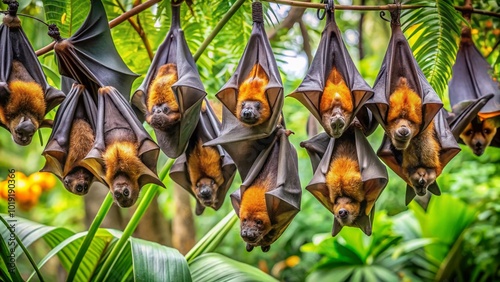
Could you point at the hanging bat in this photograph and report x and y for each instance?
(171, 94)
(404, 102)
(123, 155)
(25, 95)
(348, 177)
(253, 97)
(270, 194)
(471, 80)
(423, 161)
(90, 57)
(73, 135)
(205, 172)
(333, 89)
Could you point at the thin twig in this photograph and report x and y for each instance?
(114, 22)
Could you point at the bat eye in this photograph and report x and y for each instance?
(66, 182)
(126, 192)
(468, 133)
(487, 131)
(212, 183)
(257, 105)
(245, 220)
(243, 104)
(258, 221)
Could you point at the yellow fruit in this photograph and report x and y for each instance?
(496, 31)
(46, 180)
(23, 193)
(35, 190)
(474, 31)
(4, 189)
(292, 261)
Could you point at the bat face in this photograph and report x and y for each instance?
(78, 181)
(22, 128)
(252, 105)
(162, 107)
(125, 192)
(206, 191)
(421, 178)
(478, 135)
(336, 105)
(254, 226)
(405, 115)
(346, 210)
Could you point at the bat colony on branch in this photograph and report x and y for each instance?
(96, 135)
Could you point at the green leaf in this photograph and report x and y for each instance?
(218, 268)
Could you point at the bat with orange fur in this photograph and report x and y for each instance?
(252, 106)
(206, 172)
(25, 95)
(270, 195)
(348, 177)
(478, 135)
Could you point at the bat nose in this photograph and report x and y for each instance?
(248, 235)
(403, 131)
(80, 188)
(247, 113)
(343, 213)
(479, 145)
(421, 181)
(337, 124)
(205, 192)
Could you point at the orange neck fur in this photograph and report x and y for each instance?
(254, 89)
(253, 201)
(336, 92)
(160, 91)
(405, 103)
(203, 162)
(344, 179)
(122, 157)
(25, 97)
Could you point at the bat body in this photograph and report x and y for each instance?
(344, 183)
(78, 179)
(421, 164)
(252, 105)
(23, 109)
(162, 107)
(336, 104)
(404, 116)
(205, 174)
(479, 134)
(255, 221)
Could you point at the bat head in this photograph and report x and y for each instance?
(404, 116)
(78, 181)
(125, 192)
(206, 191)
(254, 226)
(478, 135)
(162, 117)
(252, 105)
(420, 178)
(22, 128)
(346, 210)
(336, 105)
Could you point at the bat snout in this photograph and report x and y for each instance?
(343, 213)
(24, 132)
(123, 196)
(478, 148)
(249, 235)
(81, 188)
(248, 116)
(338, 124)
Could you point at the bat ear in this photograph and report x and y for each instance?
(434, 189)
(337, 227)
(365, 224)
(147, 176)
(410, 194)
(199, 208)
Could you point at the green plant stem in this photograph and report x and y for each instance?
(132, 225)
(101, 214)
(218, 28)
(213, 237)
(28, 255)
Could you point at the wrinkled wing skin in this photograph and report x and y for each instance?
(283, 201)
(78, 103)
(14, 45)
(188, 90)
(90, 57)
(449, 149)
(399, 62)
(332, 52)
(115, 112)
(316, 147)
(258, 50)
(207, 129)
(471, 80)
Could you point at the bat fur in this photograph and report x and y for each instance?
(336, 104)
(23, 111)
(205, 173)
(421, 164)
(344, 183)
(255, 222)
(162, 106)
(478, 135)
(78, 179)
(405, 115)
(252, 105)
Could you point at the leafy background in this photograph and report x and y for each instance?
(457, 238)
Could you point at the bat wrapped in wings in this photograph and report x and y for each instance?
(72, 137)
(171, 94)
(348, 177)
(424, 159)
(90, 57)
(471, 80)
(205, 172)
(25, 95)
(253, 96)
(270, 195)
(333, 90)
(404, 102)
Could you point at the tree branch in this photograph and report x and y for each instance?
(294, 15)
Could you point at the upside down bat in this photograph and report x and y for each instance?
(333, 89)
(25, 95)
(348, 177)
(252, 106)
(270, 194)
(206, 172)
(171, 94)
